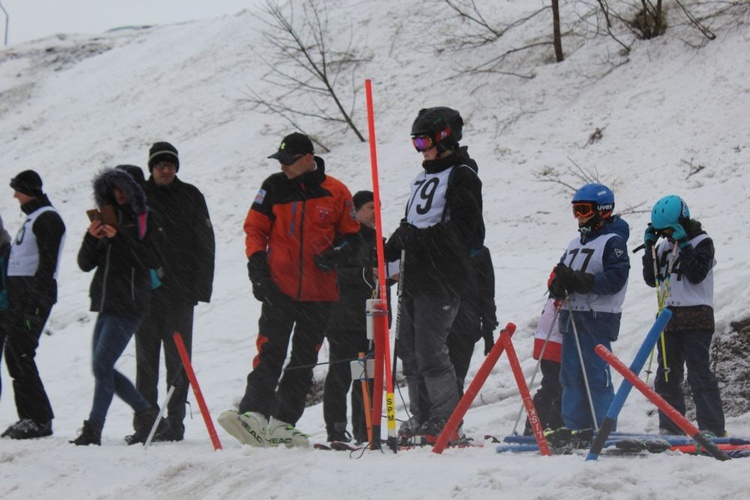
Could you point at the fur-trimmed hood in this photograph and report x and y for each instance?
(110, 178)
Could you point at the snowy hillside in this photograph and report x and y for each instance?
(71, 105)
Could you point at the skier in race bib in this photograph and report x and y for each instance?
(443, 223)
(591, 278)
(32, 291)
(685, 262)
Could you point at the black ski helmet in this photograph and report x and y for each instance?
(443, 125)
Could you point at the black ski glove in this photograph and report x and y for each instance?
(488, 334)
(401, 239)
(330, 260)
(265, 290)
(572, 281)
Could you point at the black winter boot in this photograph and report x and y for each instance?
(90, 434)
(170, 430)
(142, 423)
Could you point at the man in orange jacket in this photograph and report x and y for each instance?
(301, 225)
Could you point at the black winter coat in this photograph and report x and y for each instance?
(27, 292)
(189, 247)
(438, 256)
(122, 283)
(356, 285)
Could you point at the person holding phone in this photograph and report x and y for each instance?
(122, 255)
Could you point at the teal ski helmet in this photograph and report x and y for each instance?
(668, 211)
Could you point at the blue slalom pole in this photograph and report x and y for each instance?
(622, 393)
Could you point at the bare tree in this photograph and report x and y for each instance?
(304, 63)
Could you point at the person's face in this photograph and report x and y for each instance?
(300, 164)
(164, 173)
(430, 154)
(120, 197)
(22, 198)
(366, 214)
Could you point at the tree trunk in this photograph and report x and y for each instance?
(556, 37)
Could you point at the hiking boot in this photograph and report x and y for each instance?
(143, 421)
(339, 437)
(339, 433)
(410, 428)
(169, 430)
(28, 429)
(90, 434)
(283, 433)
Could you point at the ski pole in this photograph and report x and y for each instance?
(162, 411)
(583, 366)
(610, 421)
(683, 423)
(536, 368)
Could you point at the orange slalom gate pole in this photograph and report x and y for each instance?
(536, 425)
(382, 345)
(197, 390)
(676, 417)
(463, 406)
(366, 397)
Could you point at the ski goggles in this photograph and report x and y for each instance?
(584, 209)
(422, 142)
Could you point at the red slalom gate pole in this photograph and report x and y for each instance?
(463, 406)
(196, 390)
(536, 425)
(382, 344)
(676, 417)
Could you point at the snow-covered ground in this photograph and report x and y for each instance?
(72, 105)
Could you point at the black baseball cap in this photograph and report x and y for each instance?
(292, 145)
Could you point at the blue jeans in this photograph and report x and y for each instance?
(112, 333)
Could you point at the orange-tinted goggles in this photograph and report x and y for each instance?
(584, 209)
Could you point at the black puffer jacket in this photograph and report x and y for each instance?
(121, 283)
(189, 246)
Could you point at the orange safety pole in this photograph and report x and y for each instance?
(197, 390)
(463, 406)
(536, 425)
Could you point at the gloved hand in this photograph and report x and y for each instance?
(32, 319)
(265, 290)
(572, 281)
(488, 334)
(679, 235)
(328, 261)
(401, 239)
(650, 237)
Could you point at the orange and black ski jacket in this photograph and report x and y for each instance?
(292, 220)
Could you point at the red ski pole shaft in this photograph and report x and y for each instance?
(676, 417)
(536, 425)
(197, 390)
(463, 406)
